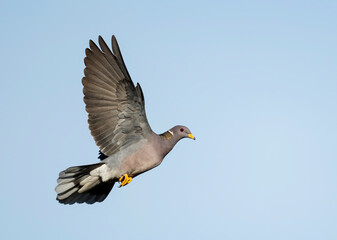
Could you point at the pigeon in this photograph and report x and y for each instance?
(117, 121)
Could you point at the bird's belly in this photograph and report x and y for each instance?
(140, 162)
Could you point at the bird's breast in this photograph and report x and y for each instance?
(141, 161)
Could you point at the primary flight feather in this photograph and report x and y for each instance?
(118, 123)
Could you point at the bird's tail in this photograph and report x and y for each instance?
(82, 184)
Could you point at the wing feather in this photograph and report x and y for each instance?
(118, 54)
(116, 111)
(100, 59)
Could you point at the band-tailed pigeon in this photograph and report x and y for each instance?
(117, 121)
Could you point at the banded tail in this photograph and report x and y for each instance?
(82, 184)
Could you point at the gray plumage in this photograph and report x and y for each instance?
(118, 124)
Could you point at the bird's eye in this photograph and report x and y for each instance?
(181, 129)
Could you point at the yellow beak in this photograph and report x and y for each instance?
(191, 136)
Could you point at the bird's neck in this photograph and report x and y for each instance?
(166, 135)
(168, 140)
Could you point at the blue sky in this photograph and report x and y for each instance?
(255, 81)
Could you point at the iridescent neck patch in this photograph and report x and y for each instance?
(167, 135)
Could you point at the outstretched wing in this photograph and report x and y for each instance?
(115, 106)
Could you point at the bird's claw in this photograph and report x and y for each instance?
(124, 180)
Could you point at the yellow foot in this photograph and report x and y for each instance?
(124, 180)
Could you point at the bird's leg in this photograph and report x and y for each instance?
(124, 180)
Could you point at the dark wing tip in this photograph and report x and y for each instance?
(101, 41)
(93, 46)
(115, 46)
(113, 38)
(87, 51)
(140, 92)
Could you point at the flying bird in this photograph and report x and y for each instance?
(117, 121)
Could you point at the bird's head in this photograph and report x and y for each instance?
(182, 132)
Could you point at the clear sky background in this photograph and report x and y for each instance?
(255, 81)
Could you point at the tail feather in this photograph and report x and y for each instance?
(80, 184)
